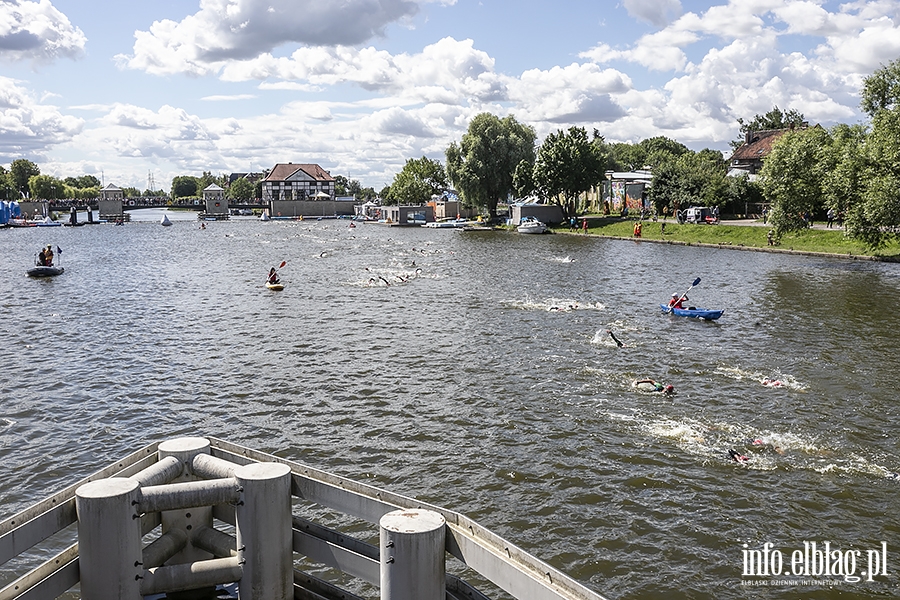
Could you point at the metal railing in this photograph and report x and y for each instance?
(176, 491)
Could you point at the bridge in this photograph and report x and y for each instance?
(148, 202)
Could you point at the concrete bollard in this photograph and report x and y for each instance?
(412, 555)
(109, 539)
(264, 536)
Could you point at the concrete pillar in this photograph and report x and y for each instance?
(109, 539)
(264, 536)
(185, 449)
(412, 555)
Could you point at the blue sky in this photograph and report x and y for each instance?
(126, 90)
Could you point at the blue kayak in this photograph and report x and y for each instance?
(695, 313)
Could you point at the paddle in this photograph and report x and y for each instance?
(696, 282)
(284, 262)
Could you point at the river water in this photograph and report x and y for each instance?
(482, 379)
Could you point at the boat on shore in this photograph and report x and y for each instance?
(531, 225)
(707, 314)
(40, 271)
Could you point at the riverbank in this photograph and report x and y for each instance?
(740, 235)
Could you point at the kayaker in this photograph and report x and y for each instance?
(677, 301)
(273, 276)
(648, 385)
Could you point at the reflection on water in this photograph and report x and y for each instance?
(474, 370)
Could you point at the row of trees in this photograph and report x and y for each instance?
(852, 170)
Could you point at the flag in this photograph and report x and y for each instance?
(58, 250)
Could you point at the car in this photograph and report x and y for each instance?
(697, 214)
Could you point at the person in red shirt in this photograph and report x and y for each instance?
(677, 301)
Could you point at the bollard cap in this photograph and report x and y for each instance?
(412, 520)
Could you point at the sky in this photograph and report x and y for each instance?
(140, 92)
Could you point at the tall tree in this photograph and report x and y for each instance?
(45, 187)
(881, 89)
(792, 176)
(184, 185)
(21, 170)
(419, 179)
(7, 189)
(774, 119)
(482, 166)
(568, 164)
(241, 190)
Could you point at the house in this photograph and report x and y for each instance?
(290, 181)
(749, 157)
(215, 202)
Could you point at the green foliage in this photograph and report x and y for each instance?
(689, 178)
(881, 89)
(419, 179)
(21, 171)
(45, 187)
(660, 149)
(85, 181)
(241, 190)
(131, 192)
(340, 185)
(568, 164)
(184, 185)
(774, 119)
(626, 157)
(482, 166)
(793, 175)
(7, 189)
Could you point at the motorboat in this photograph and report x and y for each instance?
(48, 222)
(531, 225)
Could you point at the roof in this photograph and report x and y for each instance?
(283, 171)
(213, 188)
(758, 144)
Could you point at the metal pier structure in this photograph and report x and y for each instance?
(195, 513)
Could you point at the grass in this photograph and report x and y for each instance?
(812, 240)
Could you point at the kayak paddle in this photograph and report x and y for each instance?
(696, 282)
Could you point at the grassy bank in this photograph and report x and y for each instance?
(811, 240)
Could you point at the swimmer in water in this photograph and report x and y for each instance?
(772, 382)
(648, 385)
(736, 457)
(614, 338)
(758, 443)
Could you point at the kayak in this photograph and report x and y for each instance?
(45, 271)
(275, 286)
(706, 314)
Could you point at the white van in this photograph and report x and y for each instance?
(698, 214)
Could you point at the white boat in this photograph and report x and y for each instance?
(531, 225)
(448, 224)
(165, 222)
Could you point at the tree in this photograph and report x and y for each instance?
(881, 89)
(419, 179)
(85, 181)
(7, 189)
(340, 185)
(626, 157)
(21, 171)
(774, 119)
(131, 192)
(482, 166)
(793, 174)
(568, 164)
(241, 190)
(690, 178)
(658, 149)
(45, 187)
(184, 185)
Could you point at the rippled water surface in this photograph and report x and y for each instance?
(482, 379)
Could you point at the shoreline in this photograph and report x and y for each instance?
(850, 256)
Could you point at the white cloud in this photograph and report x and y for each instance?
(228, 97)
(227, 30)
(37, 31)
(29, 128)
(576, 94)
(655, 12)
